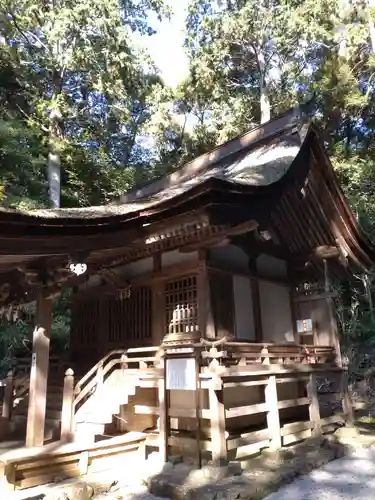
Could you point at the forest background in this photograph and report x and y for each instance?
(84, 107)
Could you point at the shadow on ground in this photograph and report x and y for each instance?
(353, 477)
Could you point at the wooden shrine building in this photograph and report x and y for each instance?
(202, 308)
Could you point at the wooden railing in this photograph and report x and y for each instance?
(228, 357)
(229, 353)
(232, 353)
(275, 433)
(136, 358)
(259, 369)
(18, 381)
(134, 361)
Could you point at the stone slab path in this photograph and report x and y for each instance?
(348, 478)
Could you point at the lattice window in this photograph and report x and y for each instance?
(130, 318)
(85, 321)
(181, 306)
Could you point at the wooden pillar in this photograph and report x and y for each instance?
(346, 403)
(39, 374)
(314, 410)
(158, 304)
(273, 418)
(205, 316)
(67, 407)
(8, 397)
(217, 413)
(256, 303)
(334, 331)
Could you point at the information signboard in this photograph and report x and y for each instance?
(304, 325)
(180, 374)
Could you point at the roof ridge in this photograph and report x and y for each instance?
(188, 170)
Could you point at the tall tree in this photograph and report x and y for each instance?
(88, 81)
(256, 53)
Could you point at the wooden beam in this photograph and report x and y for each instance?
(39, 374)
(224, 237)
(209, 243)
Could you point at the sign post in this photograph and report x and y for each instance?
(181, 373)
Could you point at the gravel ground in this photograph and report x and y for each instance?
(55, 492)
(127, 485)
(348, 478)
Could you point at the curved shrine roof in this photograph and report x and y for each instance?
(256, 162)
(258, 158)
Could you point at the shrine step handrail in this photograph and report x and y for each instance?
(104, 367)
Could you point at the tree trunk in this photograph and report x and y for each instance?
(54, 173)
(265, 105)
(55, 136)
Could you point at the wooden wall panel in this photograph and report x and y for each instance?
(101, 324)
(130, 319)
(85, 327)
(221, 288)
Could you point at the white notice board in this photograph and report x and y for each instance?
(180, 374)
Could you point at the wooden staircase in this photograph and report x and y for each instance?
(97, 397)
(94, 400)
(97, 412)
(108, 386)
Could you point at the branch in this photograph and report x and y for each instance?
(32, 119)
(23, 34)
(268, 60)
(19, 29)
(38, 40)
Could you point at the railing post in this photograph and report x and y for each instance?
(163, 420)
(67, 407)
(265, 360)
(8, 397)
(314, 411)
(217, 413)
(124, 360)
(100, 376)
(273, 418)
